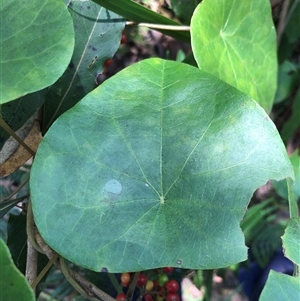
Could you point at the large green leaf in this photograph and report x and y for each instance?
(154, 168)
(281, 287)
(237, 43)
(97, 38)
(13, 285)
(36, 44)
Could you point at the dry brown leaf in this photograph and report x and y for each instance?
(19, 156)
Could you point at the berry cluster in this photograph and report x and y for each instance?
(154, 285)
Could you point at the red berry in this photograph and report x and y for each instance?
(155, 282)
(172, 286)
(172, 297)
(123, 38)
(108, 63)
(121, 297)
(168, 270)
(125, 278)
(162, 279)
(142, 280)
(161, 294)
(148, 297)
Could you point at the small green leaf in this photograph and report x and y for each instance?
(291, 240)
(13, 285)
(291, 125)
(280, 287)
(154, 168)
(36, 45)
(288, 80)
(237, 43)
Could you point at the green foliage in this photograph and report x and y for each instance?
(13, 285)
(184, 9)
(261, 234)
(97, 38)
(36, 48)
(127, 153)
(226, 46)
(291, 240)
(280, 287)
(157, 165)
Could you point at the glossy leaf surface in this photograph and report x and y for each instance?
(154, 168)
(235, 43)
(36, 44)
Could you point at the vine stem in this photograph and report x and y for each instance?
(30, 228)
(282, 21)
(11, 132)
(115, 283)
(15, 191)
(31, 264)
(44, 271)
(161, 26)
(84, 287)
(132, 286)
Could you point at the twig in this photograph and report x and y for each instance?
(161, 26)
(115, 283)
(44, 271)
(30, 228)
(15, 191)
(132, 286)
(31, 263)
(84, 287)
(8, 129)
(282, 21)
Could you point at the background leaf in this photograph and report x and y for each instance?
(291, 241)
(159, 159)
(36, 45)
(235, 43)
(281, 186)
(97, 38)
(135, 12)
(16, 113)
(184, 9)
(13, 285)
(280, 287)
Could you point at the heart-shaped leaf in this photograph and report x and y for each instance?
(36, 44)
(154, 168)
(237, 43)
